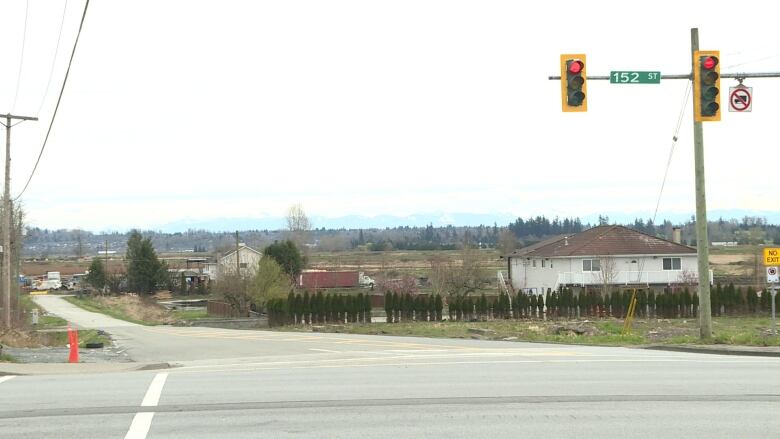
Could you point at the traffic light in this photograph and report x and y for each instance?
(573, 83)
(706, 85)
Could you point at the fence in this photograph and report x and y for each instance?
(223, 309)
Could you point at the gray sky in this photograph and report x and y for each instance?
(202, 109)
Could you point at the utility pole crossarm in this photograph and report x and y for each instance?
(10, 117)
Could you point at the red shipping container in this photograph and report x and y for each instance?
(328, 279)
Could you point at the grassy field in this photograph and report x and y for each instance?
(726, 330)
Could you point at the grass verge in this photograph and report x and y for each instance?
(128, 308)
(44, 321)
(745, 331)
(180, 315)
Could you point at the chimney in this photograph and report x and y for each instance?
(677, 235)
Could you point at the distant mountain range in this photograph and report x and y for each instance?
(439, 219)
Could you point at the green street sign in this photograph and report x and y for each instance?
(635, 77)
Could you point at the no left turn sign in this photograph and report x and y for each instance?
(741, 99)
(771, 275)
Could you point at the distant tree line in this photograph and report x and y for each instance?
(73, 242)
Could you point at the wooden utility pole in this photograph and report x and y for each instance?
(238, 258)
(7, 206)
(702, 240)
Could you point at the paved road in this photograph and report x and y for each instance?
(334, 385)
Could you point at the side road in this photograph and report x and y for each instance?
(79, 317)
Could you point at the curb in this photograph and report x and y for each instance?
(715, 350)
(29, 369)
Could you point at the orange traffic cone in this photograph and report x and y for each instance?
(73, 340)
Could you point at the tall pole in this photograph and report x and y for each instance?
(702, 241)
(238, 259)
(6, 284)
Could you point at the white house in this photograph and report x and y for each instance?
(613, 255)
(247, 261)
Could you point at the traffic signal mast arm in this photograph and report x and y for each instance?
(690, 76)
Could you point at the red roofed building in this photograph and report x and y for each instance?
(613, 255)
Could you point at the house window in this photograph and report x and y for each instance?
(242, 264)
(543, 263)
(671, 263)
(591, 265)
(533, 262)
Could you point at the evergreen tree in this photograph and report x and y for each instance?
(396, 308)
(483, 307)
(641, 302)
(290, 308)
(360, 306)
(326, 309)
(469, 308)
(539, 306)
(97, 274)
(424, 306)
(651, 303)
(389, 307)
(320, 307)
(367, 308)
(306, 307)
(144, 270)
(716, 296)
(548, 303)
(752, 299)
(765, 302)
(601, 304)
(287, 255)
(439, 305)
(298, 308)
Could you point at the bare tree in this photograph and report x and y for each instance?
(298, 224)
(458, 278)
(79, 244)
(507, 241)
(607, 273)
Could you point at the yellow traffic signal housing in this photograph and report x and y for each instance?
(706, 85)
(574, 89)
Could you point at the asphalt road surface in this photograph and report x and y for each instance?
(294, 385)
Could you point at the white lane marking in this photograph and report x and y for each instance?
(324, 350)
(140, 426)
(6, 378)
(152, 396)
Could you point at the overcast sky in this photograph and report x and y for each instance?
(203, 109)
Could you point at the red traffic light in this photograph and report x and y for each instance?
(709, 62)
(576, 66)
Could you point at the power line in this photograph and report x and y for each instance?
(674, 142)
(59, 99)
(21, 56)
(54, 60)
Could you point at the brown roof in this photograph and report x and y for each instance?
(602, 241)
